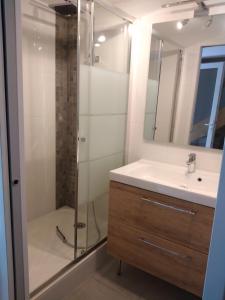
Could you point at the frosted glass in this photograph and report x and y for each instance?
(84, 134)
(83, 183)
(109, 92)
(149, 126)
(152, 96)
(84, 89)
(104, 80)
(107, 135)
(99, 174)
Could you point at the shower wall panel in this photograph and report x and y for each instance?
(39, 109)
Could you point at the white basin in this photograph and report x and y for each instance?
(199, 187)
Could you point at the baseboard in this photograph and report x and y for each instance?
(65, 284)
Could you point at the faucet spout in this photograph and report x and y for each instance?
(191, 163)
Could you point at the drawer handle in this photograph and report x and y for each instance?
(170, 252)
(185, 211)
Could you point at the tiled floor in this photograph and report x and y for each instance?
(132, 285)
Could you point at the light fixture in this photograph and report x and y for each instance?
(97, 45)
(101, 39)
(181, 24)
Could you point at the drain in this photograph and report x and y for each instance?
(81, 225)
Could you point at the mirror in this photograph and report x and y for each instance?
(185, 102)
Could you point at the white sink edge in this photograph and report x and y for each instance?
(181, 193)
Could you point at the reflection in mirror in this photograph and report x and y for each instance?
(208, 125)
(185, 101)
(153, 86)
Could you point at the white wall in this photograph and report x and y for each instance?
(39, 110)
(136, 146)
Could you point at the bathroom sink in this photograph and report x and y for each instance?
(173, 180)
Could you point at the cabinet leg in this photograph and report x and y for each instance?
(119, 272)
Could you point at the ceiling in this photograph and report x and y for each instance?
(194, 32)
(138, 8)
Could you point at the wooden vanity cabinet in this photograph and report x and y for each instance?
(164, 236)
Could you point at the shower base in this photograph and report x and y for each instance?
(47, 254)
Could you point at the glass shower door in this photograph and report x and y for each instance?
(103, 115)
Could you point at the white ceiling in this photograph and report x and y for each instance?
(138, 8)
(194, 32)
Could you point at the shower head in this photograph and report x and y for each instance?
(63, 7)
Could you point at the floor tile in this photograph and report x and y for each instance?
(95, 290)
(133, 284)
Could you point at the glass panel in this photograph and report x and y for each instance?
(49, 77)
(84, 90)
(153, 87)
(107, 113)
(111, 41)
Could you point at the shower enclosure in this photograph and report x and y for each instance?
(75, 88)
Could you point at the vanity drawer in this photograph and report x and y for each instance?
(174, 263)
(180, 221)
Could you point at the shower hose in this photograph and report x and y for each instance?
(64, 239)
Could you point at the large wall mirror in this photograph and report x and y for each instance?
(185, 101)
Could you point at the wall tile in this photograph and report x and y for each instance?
(66, 110)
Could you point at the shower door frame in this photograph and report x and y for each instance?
(6, 247)
(12, 40)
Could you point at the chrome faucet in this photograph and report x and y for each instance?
(191, 163)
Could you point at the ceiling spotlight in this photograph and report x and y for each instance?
(101, 39)
(181, 24)
(97, 45)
